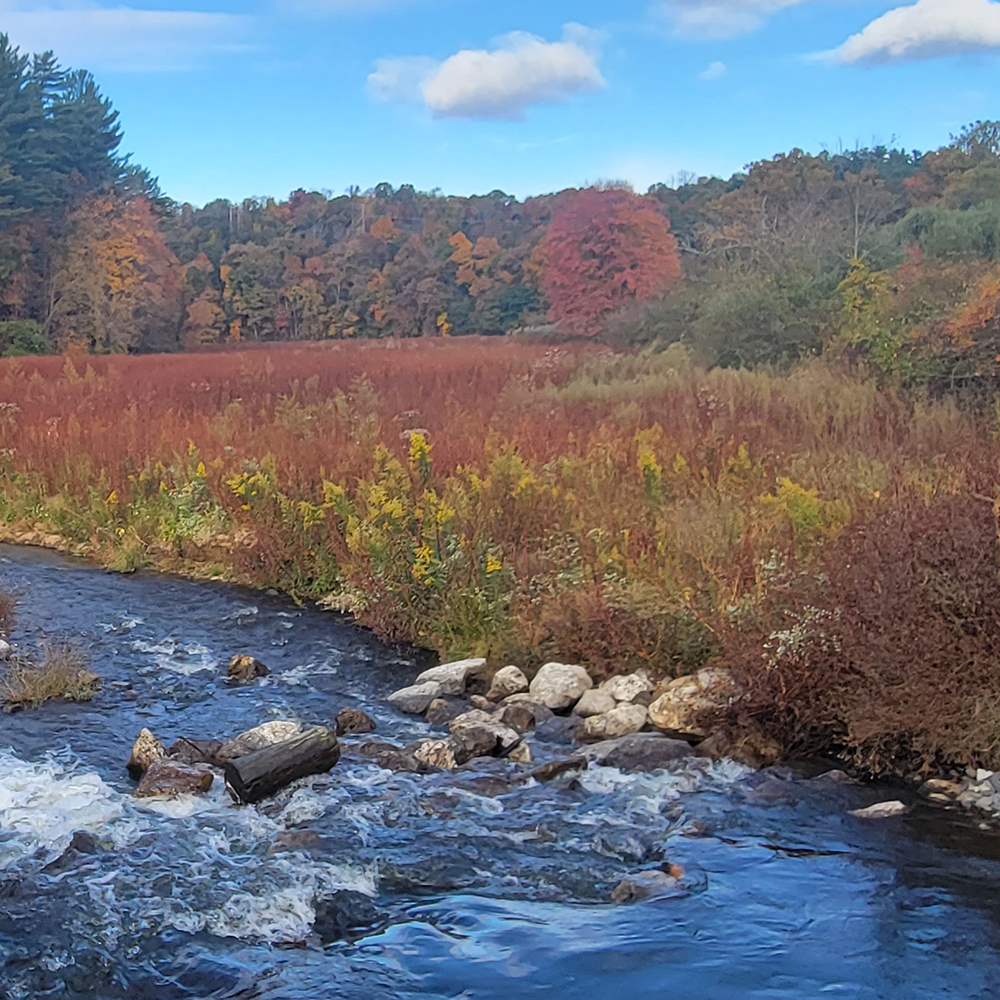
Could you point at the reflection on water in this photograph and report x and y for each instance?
(365, 883)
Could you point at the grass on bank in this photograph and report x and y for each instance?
(60, 672)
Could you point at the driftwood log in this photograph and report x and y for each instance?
(264, 772)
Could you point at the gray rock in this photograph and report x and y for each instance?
(442, 710)
(390, 757)
(507, 681)
(519, 717)
(264, 735)
(560, 685)
(560, 730)
(623, 720)
(638, 752)
(416, 699)
(629, 687)
(594, 702)
(480, 735)
(196, 751)
(451, 677)
(5, 649)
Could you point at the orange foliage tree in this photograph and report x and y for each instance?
(604, 249)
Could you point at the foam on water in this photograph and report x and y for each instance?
(43, 805)
(185, 658)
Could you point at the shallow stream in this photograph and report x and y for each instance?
(364, 883)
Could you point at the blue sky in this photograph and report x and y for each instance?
(227, 99)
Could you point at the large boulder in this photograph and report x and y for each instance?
(639, 752)
(507, 681)
(264, 735)
(452, 677)
(172, 777)
(594, 702)
(146, 750)
(245, 668)
(627, 688)
(560, 685)
(623, 720)
(694, 705)
(415, 699)
(478, 734)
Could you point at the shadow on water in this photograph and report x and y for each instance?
(366, 883)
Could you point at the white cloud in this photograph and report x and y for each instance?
(122, 38)
(926, 30)
(717, 18)
(519, 71)
(713, 71)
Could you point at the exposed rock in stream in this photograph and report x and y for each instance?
(146, 750)
(172, 777)
(245, 668)
(351, 721)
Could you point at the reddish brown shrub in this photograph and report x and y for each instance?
(894, 653)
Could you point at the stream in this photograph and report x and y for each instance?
(364, 883)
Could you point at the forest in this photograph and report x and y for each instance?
(879, 254)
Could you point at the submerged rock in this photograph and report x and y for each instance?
(644, 885)
(507, 681)
(196, 751)
(623, 720)
(172, 777)
(694, 704)
(264, 735)
(145, 751)
(390, 757)
(594, 702)
(638, 752)
(560, 685)
(415, 699)
(245, 668)
(346, 915)
(452, 677)
(881, 810)
(353, 720)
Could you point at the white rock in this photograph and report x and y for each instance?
(452, 677)
(691, 704)
(627, 688)
(621, 721)
(414, 699)
(559, 685)
(264, 735)
(881, 810)
(507, 681)
(4, 649)
(594, 702)
(983, 775)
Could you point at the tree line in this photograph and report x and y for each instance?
(881, 252)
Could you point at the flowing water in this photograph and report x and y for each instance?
(364, 883)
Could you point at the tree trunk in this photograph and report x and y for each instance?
(259, 775)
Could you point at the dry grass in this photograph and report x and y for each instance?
(60, 672)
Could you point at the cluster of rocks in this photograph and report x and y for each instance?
(490, 716)
(255, 764)
(977, 789)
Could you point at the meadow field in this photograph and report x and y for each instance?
(833, 540)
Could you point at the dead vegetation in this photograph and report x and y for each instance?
(59, 672)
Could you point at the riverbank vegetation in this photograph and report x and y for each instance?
(832, 537)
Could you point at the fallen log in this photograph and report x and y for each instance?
(264, 772)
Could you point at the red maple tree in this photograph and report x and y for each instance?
(604, 249)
